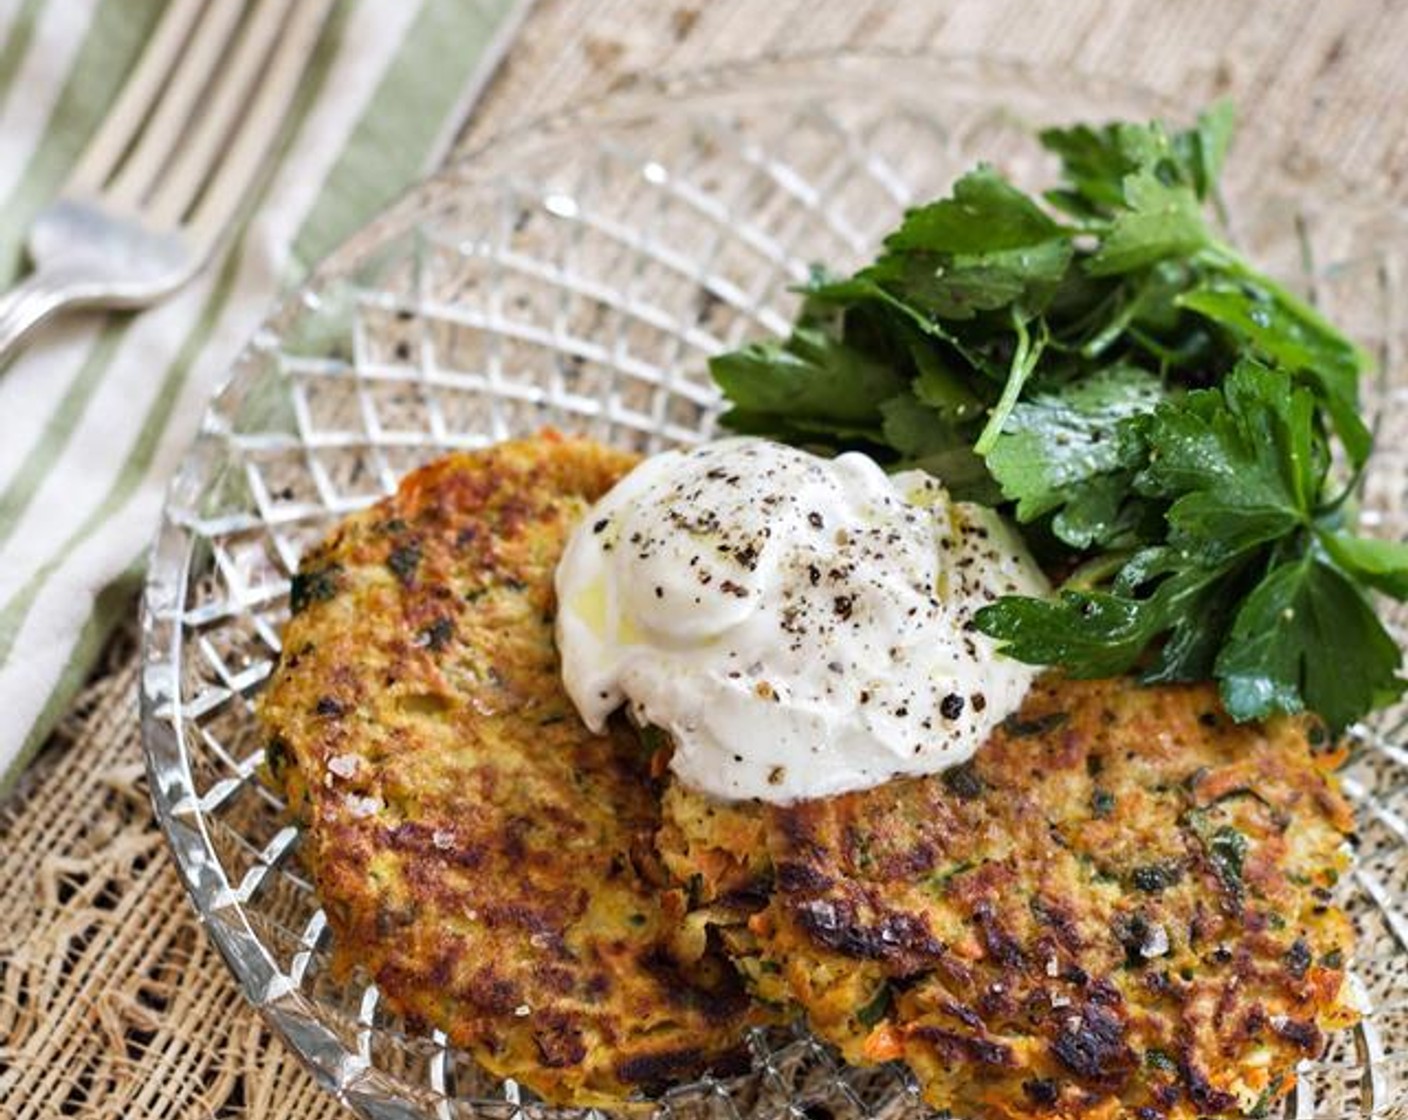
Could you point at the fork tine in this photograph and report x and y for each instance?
(134, 103)
(200, 147)
(164, 129)
(261, 122)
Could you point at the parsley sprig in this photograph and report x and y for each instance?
(1160, 417)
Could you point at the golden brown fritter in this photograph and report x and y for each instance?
(1119, 907)
(481, 854)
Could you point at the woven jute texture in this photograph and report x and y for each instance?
(112, 1003)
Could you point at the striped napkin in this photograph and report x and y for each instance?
(95, 414)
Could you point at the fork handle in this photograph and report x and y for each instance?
(28, 304)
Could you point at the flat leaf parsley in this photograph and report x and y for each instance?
(1161, 419)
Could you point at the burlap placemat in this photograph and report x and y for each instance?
(112, 1003)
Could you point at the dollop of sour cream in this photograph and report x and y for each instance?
(800, 626)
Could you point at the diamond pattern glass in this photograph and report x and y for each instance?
(579, 274)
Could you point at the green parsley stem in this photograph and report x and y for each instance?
(1024, 359)
(1233, 262)
(1096, 571)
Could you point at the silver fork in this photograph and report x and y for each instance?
(155, 190)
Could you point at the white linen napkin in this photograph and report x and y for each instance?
(96, 412)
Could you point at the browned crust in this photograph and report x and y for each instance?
(478, 852)
(1122, 903)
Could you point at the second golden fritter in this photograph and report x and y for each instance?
(485, 858)
(1119, 907)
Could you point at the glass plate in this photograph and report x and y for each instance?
(578, 273)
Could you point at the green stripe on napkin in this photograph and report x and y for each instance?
(111, 46)
(115, 402)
